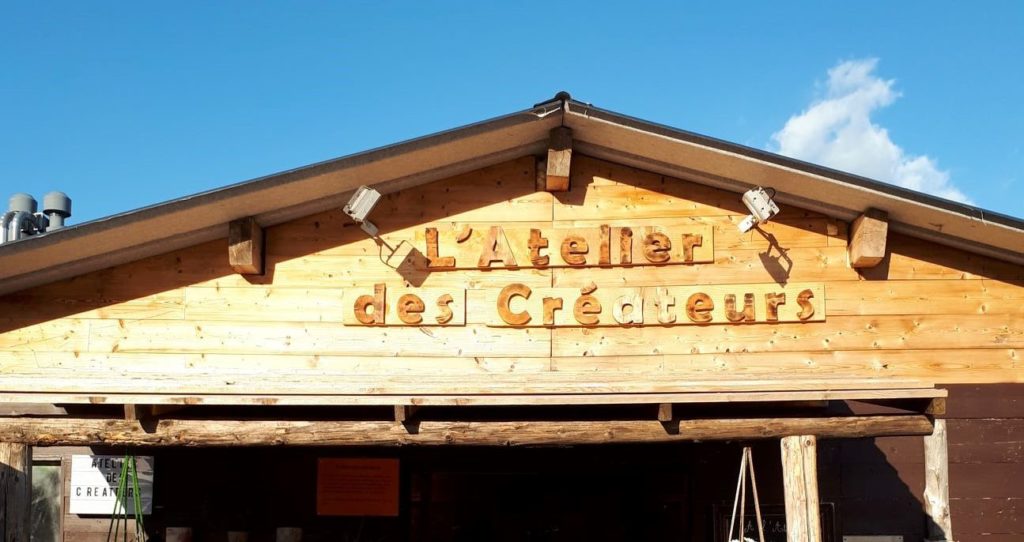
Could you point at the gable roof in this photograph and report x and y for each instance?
(599, 133)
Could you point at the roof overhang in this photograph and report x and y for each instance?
(603, 134)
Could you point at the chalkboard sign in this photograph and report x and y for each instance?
(773, 518)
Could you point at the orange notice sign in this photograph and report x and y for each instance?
(357, 487)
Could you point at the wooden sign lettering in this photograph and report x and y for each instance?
(463, 247)
(404, 307)
(519, 305)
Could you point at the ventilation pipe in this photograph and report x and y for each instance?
(21, 219)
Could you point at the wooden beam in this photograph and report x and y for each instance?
(15, 491)
(867, 238)
(245, 246)
(89, 432)
(800, 484)
(559, 160)
(936, 484)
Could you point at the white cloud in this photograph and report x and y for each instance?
(837, 131)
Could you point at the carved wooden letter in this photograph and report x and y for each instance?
(446, 312)
(536, 243)
(699, 307)
(433, 260)
(806, 307)
(746, 315)
(574, 250)
(496, 249)
(605, 254)
(410, 309)
(636, 312)
(505, 299)
(587, 310)
(551, 304)
(625, 246)
(656, 247)
(690, 241)
(464, 234)
(377, 301)
(772, 302)
(665, 303)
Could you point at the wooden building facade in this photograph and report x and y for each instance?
(561, 334)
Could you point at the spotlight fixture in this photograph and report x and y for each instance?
(360, 206)
(762, 207)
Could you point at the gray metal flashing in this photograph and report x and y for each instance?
(284, 196)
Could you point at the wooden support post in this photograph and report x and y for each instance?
(15, 491)
(867, 238)
(800, 481)
(245, 246)
(559, 160)
(936, 484)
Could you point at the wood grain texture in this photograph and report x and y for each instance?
(559, 160)
(245, 246)
(53, 432)
(162, 404)
(868, 235)
(800, 482)
(936, 485)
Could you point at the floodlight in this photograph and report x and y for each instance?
(360, 206)
(762, 207)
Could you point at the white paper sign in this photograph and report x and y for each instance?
(94, 481)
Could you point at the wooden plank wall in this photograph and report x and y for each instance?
(184, 322)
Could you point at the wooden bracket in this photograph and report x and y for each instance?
(867, 238)
(405, 413)
(665, 412)
(245, 246)
(559, 160)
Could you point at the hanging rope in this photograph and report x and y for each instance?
(129, 475)
(740, 500)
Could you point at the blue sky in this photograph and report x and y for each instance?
(124, 105)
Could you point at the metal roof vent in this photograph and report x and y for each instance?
(21, 219)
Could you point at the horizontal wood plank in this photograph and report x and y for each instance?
(468, 400)
(839, 333)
